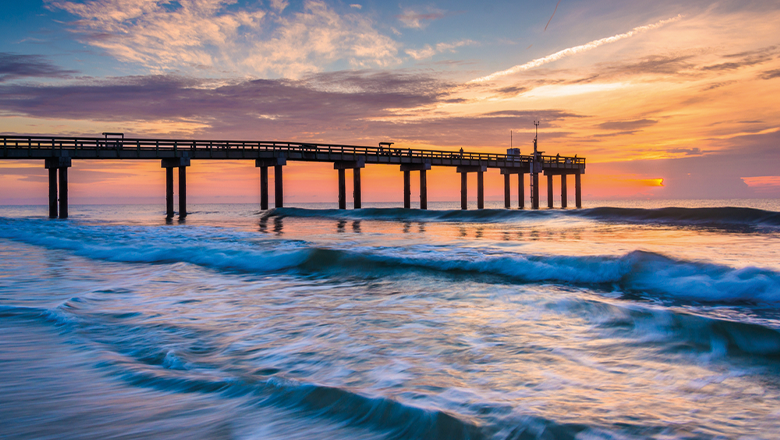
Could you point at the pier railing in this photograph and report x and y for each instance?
(125, 144)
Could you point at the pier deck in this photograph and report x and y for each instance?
(59, 152)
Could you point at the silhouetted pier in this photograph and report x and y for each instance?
(58, 154)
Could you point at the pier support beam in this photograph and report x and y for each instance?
(578, 190)
(407, 190)
(342, 189)
(64, 192)
(507, 201)
(182, 191)
(521, 190)
(464, 191)
(564, 198)
(423, 189)
(407, 168)
(549, 191)
(278, 187)
(263, 164)
(55, 165)
(52, 192)
(508, 172)
(356, 192)
(464, 170)
(480, 190)
(355, 166)
(535, 190)
(169, 192)
(169, 164)
(264, 188)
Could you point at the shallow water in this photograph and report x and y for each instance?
(628, 320)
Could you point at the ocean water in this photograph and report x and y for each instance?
(624, 320)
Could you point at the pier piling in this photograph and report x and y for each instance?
(53, 193)
(278, 187)
(63, 192)
(521, 190)
(564, 197)
(169, 192)
(342, 189)
(181, 162)
(480, 190)
(264, 188)
(356, 192)
(549, 191)
(507, 201)
(578, 190)
(464, 191)
(423, 189)
(407, 190)
(58, 175)
(182, 192)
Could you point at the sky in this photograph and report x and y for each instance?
(665, 99)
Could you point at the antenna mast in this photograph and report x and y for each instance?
(536, 138)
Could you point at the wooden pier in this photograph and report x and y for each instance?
(58, 153)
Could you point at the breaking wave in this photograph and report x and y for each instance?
(637, 272)
(724, 217)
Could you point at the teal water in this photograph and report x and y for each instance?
(623, 320)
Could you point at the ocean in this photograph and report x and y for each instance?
(623, 320)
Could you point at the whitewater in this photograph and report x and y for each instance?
(624, 320)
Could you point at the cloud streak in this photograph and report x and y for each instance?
(15, 66)
(574, 50)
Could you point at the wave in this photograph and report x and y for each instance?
(637, 272)
(696, 216)
(716, 217)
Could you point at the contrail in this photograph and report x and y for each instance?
(573, 50)
(548, 21)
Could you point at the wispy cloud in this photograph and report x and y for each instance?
(574, 50)
(414, 19)
(428, 51)
(771, 74)
(218, 36)
(15, 66)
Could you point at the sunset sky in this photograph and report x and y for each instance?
(665, 99)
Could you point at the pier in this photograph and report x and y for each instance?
(58, 154)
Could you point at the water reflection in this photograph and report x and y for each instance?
(340, 226)
(356, 226)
